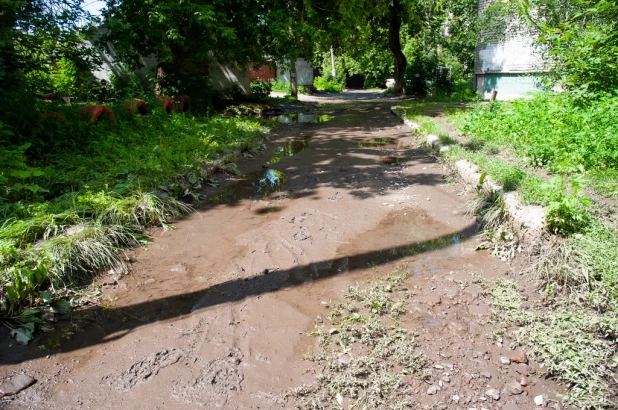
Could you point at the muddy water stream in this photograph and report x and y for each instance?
(215, 313)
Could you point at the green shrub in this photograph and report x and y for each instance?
(321, 83)
(280, 86)
(565, 211)
(260, 89)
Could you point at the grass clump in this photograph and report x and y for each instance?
(363, 354)
(323, 84)
(284, 87)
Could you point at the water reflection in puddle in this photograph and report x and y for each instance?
(299, 117)
(375, 142)
(252, 185)
(289, 149)
(261, 183)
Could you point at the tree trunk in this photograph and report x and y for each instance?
(293, 81)
(394, 45)
(159, 75)
(332, 63)
(163, 69)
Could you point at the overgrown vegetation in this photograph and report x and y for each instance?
(284, 87)
(517, 145)
(324, 84)
(363, 351)
(81, 192)
(551, 131)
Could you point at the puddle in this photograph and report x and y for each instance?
(376, 142)
(401, 234)
(253, 185)
(299, 117)
(272, 181)
(271, 112)
(261, 183)
(289, 149)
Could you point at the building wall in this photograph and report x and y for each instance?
(304, 73)
(223, 77)
(265, 72)
(508, 85)
(508, 64)
(513, 55)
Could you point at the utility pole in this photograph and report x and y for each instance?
(332, 62)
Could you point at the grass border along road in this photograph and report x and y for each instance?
(574, 332)
(76, 194)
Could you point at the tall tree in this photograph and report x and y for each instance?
(34, 34)
(30, 28)
(386, 16)
(395, 14)
(183, 35)
(286, 34)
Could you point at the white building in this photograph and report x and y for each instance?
(507, 64)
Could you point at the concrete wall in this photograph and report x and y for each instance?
(508, 85)
(512, 55)
(222, 77)
(304, 73)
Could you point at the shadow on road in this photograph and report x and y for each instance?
(115, 323)
(336, 158)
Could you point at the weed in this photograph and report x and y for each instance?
(323, 84)
(550, 130)
(565, 212)
(363, 357)
(577, 346)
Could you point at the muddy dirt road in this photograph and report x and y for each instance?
(214, 313)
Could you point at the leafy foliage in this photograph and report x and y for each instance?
(578, 39)
(551, 130)
(321, 83)
(260, 88)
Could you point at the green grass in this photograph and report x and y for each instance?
(284, 87)
(280, 86)
(79, 193)
(575, 338)
(323, 84)
(553, 132)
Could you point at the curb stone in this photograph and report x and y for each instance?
(406, 121)
(526, 219)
